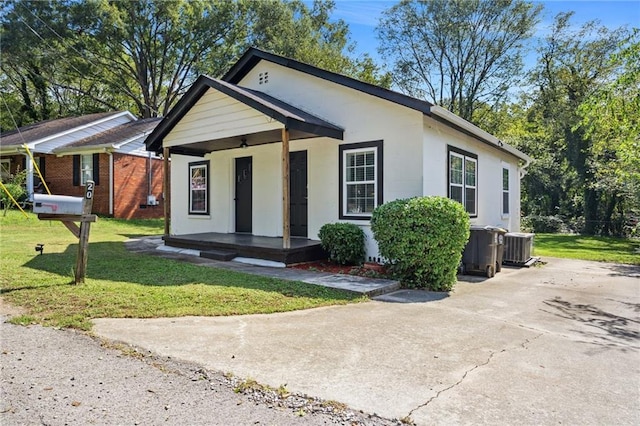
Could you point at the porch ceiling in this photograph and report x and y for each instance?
(261, 138)
(301, 124)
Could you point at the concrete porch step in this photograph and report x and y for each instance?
(224, 255)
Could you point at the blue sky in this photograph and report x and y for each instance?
(362, 16)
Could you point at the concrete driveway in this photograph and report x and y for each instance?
(554, 344)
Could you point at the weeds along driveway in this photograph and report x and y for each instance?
(554, 344)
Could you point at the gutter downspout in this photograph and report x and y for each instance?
(111, 183)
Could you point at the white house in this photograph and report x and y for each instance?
(278, 148)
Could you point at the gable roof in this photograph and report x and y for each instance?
(293, 118)
(43, 130)
(253, 56)
(112, 139)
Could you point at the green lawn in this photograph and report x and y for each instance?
(121, 284)
(603, 249)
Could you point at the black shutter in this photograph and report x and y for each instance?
(96, 169)
(76, 170)
(41, 166)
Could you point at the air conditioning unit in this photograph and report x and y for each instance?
(517, 248)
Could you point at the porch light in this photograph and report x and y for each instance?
(244, 143)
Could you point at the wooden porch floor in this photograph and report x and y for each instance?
(246, 245)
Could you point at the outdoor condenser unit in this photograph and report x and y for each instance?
(517, 247)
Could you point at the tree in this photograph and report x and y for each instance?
(573, 65)
(292, 29)
(457, 53)
(150, 50)
(67, 57)
(611, 119)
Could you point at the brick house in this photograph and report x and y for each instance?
(105, 147)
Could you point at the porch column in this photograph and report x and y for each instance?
(286, 222)
(29, 181)
(166, 191)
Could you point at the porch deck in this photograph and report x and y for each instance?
(246, 245)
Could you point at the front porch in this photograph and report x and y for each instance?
(227, 246)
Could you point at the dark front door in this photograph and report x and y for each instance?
(243, 194)
(298, 193)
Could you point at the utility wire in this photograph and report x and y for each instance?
(66, 44)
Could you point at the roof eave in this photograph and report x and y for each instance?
(464, 126)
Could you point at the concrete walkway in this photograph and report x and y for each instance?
(356, 284)
(558, 344)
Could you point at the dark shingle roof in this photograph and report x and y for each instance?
(114, 136)
(44, 129)
(292, 117)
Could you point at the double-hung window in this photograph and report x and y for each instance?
(463, 178)
(86, 168)
(360, 179)
(505, 191)
(199, 187)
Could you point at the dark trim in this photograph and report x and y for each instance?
(187, 151)
(292, 117)
(208, 183)
(461, 152)
(378, 145)
(252, 56)
(464, 153)
(76, 170)
(96, 169)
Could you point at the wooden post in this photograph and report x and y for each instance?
(83, 242)
(166, 190)
(286, 221)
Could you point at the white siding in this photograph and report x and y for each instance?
(414, 148)
(365, 118)
(437, 137)
(220, 115)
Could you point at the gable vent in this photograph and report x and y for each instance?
(263, 77)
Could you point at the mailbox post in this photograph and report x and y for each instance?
(69, 210)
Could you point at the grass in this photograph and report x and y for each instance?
(121, 284)
(602, 249)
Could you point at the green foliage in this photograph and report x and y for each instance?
(344, 242)
(566, 178)
(423, 239)
(65, 57)
(457, 54)
(15, 187)
(537, 223)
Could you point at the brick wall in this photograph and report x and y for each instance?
(131, 187)
(59, 176)
(130, 183)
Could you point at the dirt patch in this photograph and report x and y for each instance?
(370, 270)
(10, 310)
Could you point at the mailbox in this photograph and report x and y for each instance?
(57, 204)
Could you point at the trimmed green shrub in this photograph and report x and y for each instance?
(344, 242)
(422, 239)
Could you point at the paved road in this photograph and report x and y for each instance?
(558, 344)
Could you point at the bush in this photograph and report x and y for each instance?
(15, 186)
(344, 242)
(542, 224)
(423, 239)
